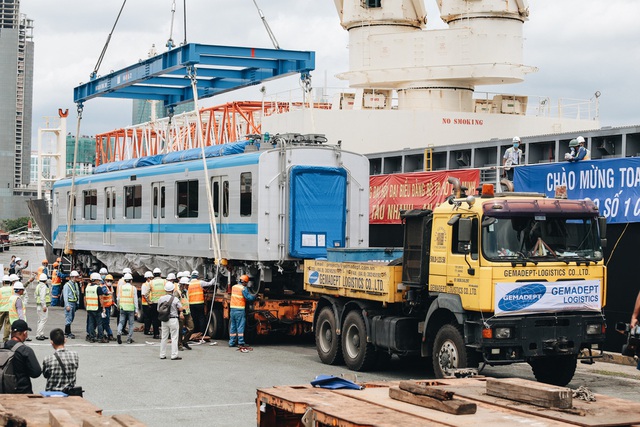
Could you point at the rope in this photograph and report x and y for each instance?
(72, 196)
(583, 393)
(104, 49)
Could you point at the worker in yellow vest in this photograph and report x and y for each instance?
(5, 296)
(17, 309)
(128, 303)
(156, 292)
(94, 311)
(186, 322)
(196, 301)
(239, 296)
(43, 302)
(145, 293)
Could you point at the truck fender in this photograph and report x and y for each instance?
(449, 302)
(357, 305)
(337, 307)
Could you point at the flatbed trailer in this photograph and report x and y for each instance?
(305, 405)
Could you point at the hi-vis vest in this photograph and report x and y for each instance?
(107, 300)
(5, 297)
(47, 293)
(74, 291)
(237, 299)
(13, 310)
(91, 294)
(157, 289)
(184, 300)
(196, 294)
(55, 279)
(126, 297)
(145, 301)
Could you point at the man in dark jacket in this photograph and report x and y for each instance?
(25, 363)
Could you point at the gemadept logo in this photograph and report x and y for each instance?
(314, 277)
(522, 297)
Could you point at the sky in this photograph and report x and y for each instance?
(578, 46)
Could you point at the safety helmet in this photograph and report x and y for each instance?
(580, 140)
(6, 278)
(148, 274)
(157, 271)
(516, 139)
(171, 276)
(59, 259)
(573, 143)
(126, 270)
(18, 259)
(244, 278)
(55, 264)
(184, 280)
(14, 277)
(43, 278)
(180, 274)
(108, 277)
(127, 276)
(74, 274)
(45, 261)
(169, 286)
(103, 271)
(95, 276)
(194, 273)
(186, 273)
(17, 286)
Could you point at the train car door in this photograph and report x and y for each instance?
(109, 215)
(220, 201)
(157, 213)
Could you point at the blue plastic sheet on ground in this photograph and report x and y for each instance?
(334, 383)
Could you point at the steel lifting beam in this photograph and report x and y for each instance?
(219, 69)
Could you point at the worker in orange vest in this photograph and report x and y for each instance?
(44, 268)
(106, 302)
(196, 301)
(239, 296)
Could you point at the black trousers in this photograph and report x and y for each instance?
(197, 313)
(146, 313)
(153, 311)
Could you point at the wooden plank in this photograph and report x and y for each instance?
(455, 407)
(545, 395)
(62, 418)
(35, 409)
(423, 389)
(127, 420)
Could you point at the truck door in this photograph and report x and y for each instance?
(462, 265)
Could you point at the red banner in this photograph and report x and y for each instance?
(389, 194)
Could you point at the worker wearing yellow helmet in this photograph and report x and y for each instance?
(239, 296)
(43, 302)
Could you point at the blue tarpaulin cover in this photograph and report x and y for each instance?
(333, 383)
(318, 199)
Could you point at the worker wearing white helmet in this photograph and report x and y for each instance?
(156, 291)
(17, 309)
(145, 293)
(512, 157)
(581, 152)
(186, 321)
(43, 302)
(5, 295)
(170, 326)
(94, 311)
(127, 302)
(71, 295)
(196, 301)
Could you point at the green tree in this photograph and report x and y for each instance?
(11, 225)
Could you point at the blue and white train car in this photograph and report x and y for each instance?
(273, 207)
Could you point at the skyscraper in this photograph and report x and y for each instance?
(16, 97)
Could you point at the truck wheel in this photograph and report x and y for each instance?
(216, 325)
(359, 355)
(554, 370)
(449, 351)
(327, 341)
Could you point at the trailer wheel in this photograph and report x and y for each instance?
(449, 351)
(327, 340)
(359, 355)
(216, 325)
(554, 370)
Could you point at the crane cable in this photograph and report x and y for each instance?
(72, 197)
(173, 14)
(266, 26)
(94, 74)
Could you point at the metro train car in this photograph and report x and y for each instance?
(274, 203)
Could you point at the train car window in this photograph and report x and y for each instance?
(187, 199)
(107, 210)
(245, 194)
(216, 198)
(154, 209)
(133, 201)
(90, 199)
(225, 198)
(162, 200)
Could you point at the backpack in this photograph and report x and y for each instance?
(9, 381)
(164, 310)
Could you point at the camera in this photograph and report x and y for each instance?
(632, 347)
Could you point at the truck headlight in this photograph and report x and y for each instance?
(502, 333)
(594, 329)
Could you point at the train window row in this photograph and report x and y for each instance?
(187, 199)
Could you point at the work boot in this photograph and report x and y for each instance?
(130, 341)
(156, 337)
(73, 337)
(119, 339)
(187, 346)
(104, 340)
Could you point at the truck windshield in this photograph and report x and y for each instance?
(540, 237)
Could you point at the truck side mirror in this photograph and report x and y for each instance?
(602, 226)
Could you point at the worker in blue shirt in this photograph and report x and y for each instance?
(239, 295)
(71, 294)
(581, 152)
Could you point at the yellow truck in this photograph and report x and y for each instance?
(493, 278)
